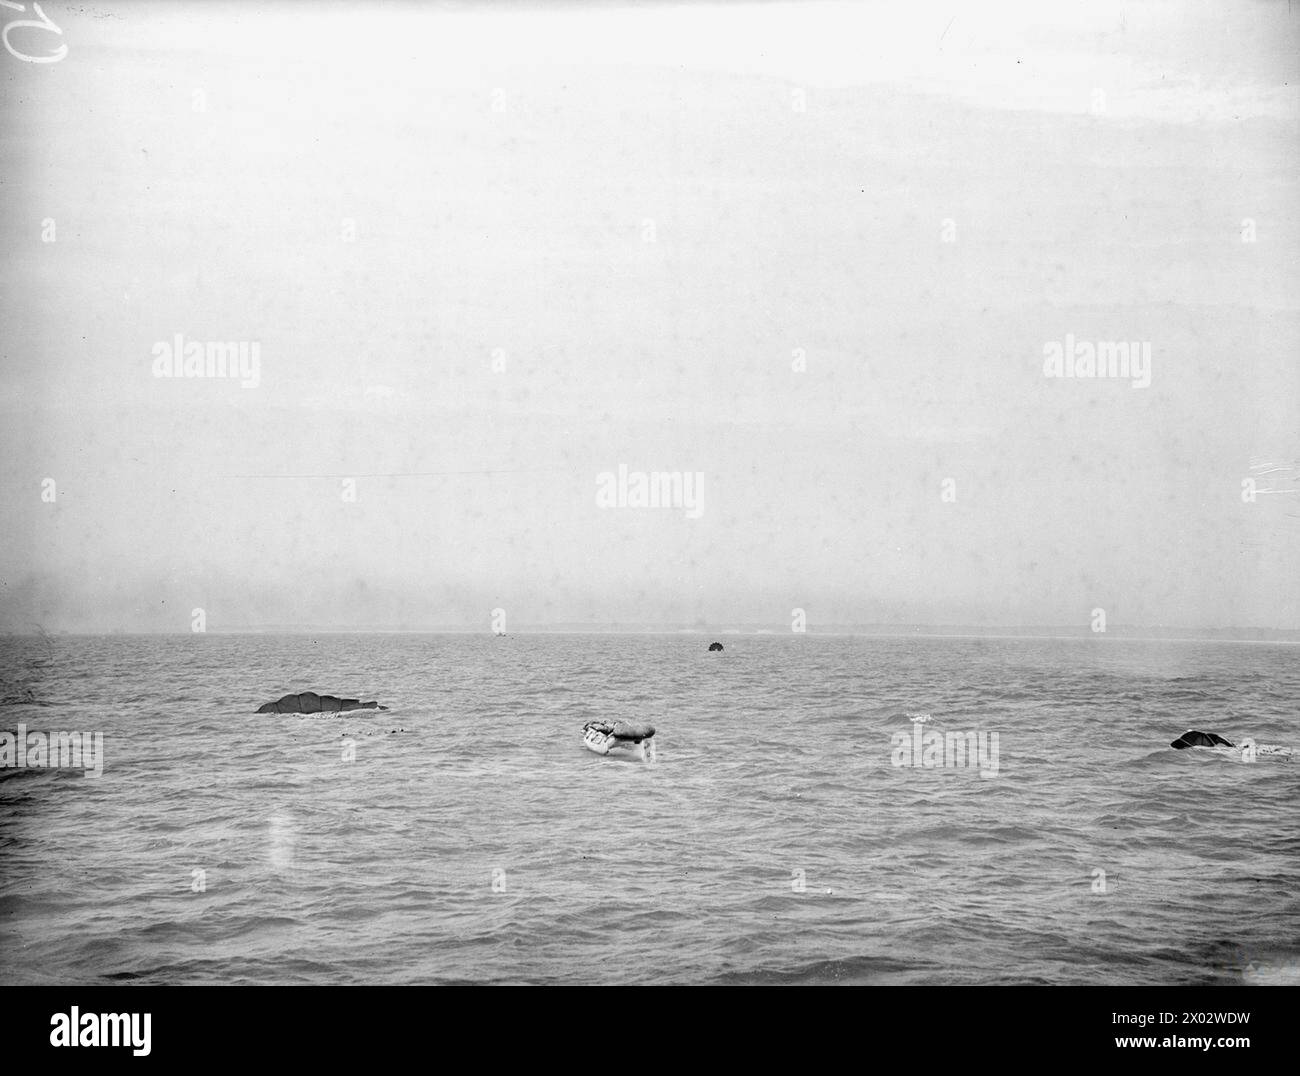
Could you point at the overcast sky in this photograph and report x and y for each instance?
(814, 253)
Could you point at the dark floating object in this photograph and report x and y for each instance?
(1248, 750)
(1192, 738)
(308, 702)
(715, 646)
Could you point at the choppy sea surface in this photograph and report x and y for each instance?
(774, 839)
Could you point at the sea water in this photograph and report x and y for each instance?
(812, 815)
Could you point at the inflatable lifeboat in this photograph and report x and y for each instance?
(621, 738)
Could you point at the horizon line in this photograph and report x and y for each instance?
(1280, 635)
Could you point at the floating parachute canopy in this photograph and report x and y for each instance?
(1192, 738)
(308, 702)
(715, 646)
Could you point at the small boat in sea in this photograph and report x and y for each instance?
(623, 737)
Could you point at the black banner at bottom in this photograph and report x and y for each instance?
(335, 1025)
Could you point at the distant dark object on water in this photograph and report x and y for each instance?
(1246, 751)
(715, 646)
(1192, 738)
(308, 702)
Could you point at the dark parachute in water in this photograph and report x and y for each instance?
(1192, 738)
(715, 646)
(308, 702)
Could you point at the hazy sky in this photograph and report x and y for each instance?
(488, 252)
